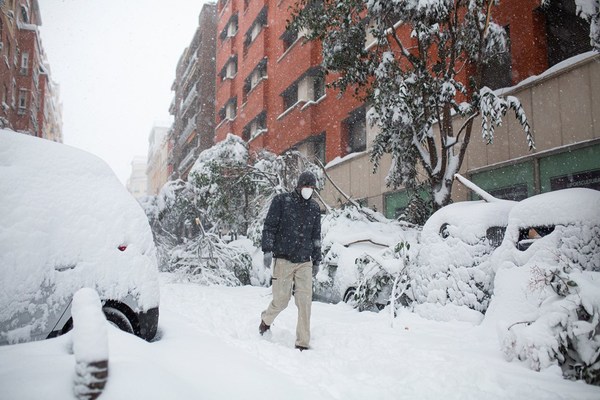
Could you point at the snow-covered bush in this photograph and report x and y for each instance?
(208, 260)
(568, 328)
(384, 278)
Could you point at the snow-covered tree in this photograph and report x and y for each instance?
(228, 192)
(417, 77)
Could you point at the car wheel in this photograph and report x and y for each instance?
(349, 296)
(118, 319)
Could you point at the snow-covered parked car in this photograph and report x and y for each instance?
(546, 303)
(348, 236)
(456, 241)
(67, 222)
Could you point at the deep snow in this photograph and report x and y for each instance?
(209, 348)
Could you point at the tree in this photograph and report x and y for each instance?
(414, 77)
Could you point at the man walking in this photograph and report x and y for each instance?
(292, 236)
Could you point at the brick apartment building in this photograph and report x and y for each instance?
(29, 97)
(193, 106)
(270, 91)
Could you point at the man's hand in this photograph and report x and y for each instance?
(268, 259)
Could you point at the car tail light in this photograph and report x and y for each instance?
(122, 247)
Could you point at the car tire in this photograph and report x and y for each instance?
(118, 319)
(349, 296)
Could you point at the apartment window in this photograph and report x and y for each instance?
(255, 127)
(356, 130)
(567, 34)
(318, 148)
(22, 101)
(309, 87)
(255, 28)
(24, 15)
(318, 86)
(24, 63)
(497, 72)
(230, 29)
(229, 110)
(256, 76)
(229, 70)
(289, 37)
(290, 96)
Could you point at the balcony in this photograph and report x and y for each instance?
(191, 125)
(188, 100)
(187, 161)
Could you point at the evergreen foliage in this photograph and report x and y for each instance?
(410, 74)
(227, 195)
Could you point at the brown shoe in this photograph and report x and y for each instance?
(263, 327)
(301, 348)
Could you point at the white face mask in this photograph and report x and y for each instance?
(306, 193)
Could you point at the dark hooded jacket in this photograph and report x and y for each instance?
(292, 228)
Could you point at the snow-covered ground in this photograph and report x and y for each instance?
(209, 348)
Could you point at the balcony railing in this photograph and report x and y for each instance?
(189, 128)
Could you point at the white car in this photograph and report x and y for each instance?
(348, 237)
(545, 307)
(66, 222)
(456, 242)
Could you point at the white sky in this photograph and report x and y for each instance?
(115, 62)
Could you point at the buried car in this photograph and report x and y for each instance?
(66, 223)
(546, 308)
(349, 235)
(456, 242)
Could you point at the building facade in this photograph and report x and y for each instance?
(137, 184)
(29, 97)
(157, 169)
(193, 106)
(270, 91)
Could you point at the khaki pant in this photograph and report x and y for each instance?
(288, 275)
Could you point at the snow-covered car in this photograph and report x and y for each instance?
(67, 222)
(455, 243)
(350, 235)
(546, 307)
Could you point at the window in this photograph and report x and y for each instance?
(356, 130)
(318, 86)
(24, 63)
(566, 33)
(229, 111)
(24, 15)
(229, 70)
(22, 101)
(497, 72)
(255, 127)
(256, 76)
(290, 96)
(255, 28)
(230, 29)
(309, 87)
(289, 37)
